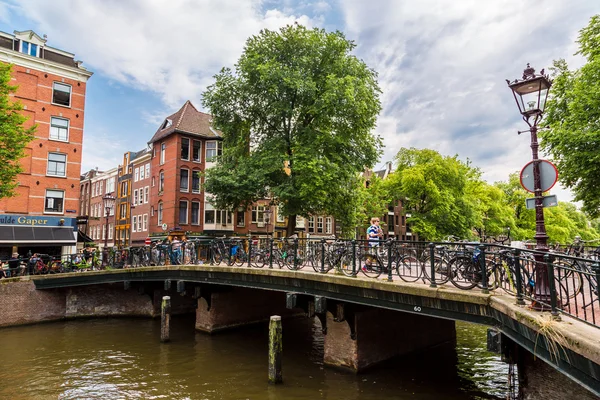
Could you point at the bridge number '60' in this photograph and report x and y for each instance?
(417, 309)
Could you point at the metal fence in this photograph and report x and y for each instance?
(552, 281)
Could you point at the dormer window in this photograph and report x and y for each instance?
(166, 124)
(29, 48)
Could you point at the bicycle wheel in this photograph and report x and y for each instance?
(408, 268)
(441, 269)
(464, 274)
(371, 265)
(568, 279)
(346, 264)
(259, 260)
(217, 257)
(241, 257)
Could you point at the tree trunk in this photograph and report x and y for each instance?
(291, 226)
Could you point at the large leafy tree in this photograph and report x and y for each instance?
(297, 115)
(433, 190)
(13, 135)
(573, 119)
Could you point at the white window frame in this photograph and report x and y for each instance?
(199, 151)
(187, 211)
(52, 125)
(134, 224)
(70, 94)
(110, 231)
(146, 194)
(139, 223)
(258, 214)
(145, 223)
(218, 149)
(161, 181)
(197, 222)
(159, 212)
(48, 164)
(189, 141)
(142, 176)
(135, 197)
(328, 225)
(188, 180)
(319, 224)
(136, 175)
(148, 170)
(37, 48)
(163, 152)
(196, 173)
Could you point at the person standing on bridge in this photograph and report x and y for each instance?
(374, 235)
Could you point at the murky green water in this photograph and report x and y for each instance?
(123, 359)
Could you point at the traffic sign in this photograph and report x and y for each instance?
(548, 176)
(547, 201)
(148, 241)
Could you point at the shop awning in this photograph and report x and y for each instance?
(37, 235)
(83, 238)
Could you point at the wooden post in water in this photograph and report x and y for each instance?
(275, 350)
(165, 318)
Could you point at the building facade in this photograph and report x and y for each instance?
(51, 87)
(140, 203)
(99, 227)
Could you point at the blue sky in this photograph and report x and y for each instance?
(442, 64)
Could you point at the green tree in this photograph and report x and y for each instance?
(493, 214)
(515, 196)
(433, 189)
(13, 136)
(296, 117)
(573, 118)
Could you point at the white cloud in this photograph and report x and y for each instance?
(442, 67)
(172, 48)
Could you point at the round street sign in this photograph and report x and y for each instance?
(148, 240)
(164, 226)
(548, 176)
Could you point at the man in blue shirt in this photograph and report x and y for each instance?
(374, 235)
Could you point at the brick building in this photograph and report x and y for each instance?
(101, 184)
(140, 204)
(51, 87)
(184, 146)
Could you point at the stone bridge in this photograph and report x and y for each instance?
(366, 321)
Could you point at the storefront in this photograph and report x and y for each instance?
(28, 234)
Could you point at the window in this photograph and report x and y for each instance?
(328, 225)
(280, 217)
(61, 94)
(103, 231)
(110, 231)
(185, 148)
(319, 224)
(213, 149)
(241, 218)
(110, 185)
(145, 226)
(124, 188)
(160, 213)
(146, 194)
(123, 211)
(148, 170)
(195, 181)
(184, 180)
(195, 213)
(93, 190)
(134, 224)
(54, 201)
(139, 223)
(183, 211)
(59, 129)
(196, 150)
(258, 214)
(161, 181)
(163, 151)
(135, 197)
(311, 224)
(141, 172)
(136, 175)
(209, 213)
(101, 184)
(29, 48)
(57, 164)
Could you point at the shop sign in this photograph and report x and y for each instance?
(35, 220)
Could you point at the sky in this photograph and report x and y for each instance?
(442, 64)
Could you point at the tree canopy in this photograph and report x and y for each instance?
(13, 136)
(573, 118)
(297, 115)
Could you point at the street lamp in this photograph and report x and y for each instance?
(531, 94)
(267, 219)
(109, 203)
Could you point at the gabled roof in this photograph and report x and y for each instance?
(187, 120)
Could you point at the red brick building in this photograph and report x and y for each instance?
(140, 199)
(51, 87)
(100, 185)
(185, 145)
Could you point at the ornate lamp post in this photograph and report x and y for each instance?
(531, 94)
(109, 203)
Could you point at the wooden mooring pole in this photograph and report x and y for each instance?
(165, 318)
(275, 350)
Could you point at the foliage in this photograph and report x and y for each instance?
(13, 136)
(514, 197)
(493, 214)
(296, 117)
(573, 118)
(433, 190)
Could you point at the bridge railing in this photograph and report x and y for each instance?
(551, 281)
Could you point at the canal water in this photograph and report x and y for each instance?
(123, 359)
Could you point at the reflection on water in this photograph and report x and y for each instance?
(123, 359)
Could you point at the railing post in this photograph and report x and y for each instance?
(354, 257)
(322, 256)
(432, 265)
(596, 269)
(249, 251)
(165, 319)
(553, 297)
(484, 277)
(295, 253)
(271, 240)
(518, 276)
(389, 261)
(275, 350)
